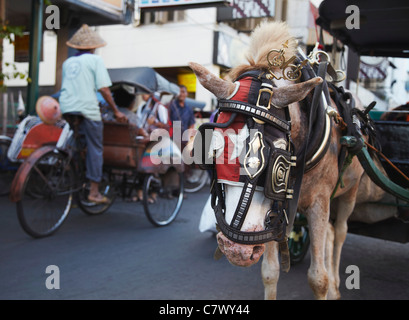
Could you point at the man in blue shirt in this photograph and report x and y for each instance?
(183, 114)
(83, 76)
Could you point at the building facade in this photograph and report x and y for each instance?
(216, 37)
(167, 39)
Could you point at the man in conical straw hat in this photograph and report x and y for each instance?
(83, 75)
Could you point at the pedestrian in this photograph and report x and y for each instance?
(84, 75)
(181, 112)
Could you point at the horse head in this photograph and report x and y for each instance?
(253, 154)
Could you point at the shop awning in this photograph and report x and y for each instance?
(92, 12)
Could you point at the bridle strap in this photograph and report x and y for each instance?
(253, 111)
(242, 237)
(292, 206)
(243, 204)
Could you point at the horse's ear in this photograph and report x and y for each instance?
(283, 96)
(219, 87)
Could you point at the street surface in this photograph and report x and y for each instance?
(120, 255)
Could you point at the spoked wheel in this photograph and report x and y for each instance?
(7, 168)
(106, 188)
(163, 197)
(195, 179)
(47, 195)
(299, 240)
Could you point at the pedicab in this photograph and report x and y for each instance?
(194, 178)
(31, 133)
(52, 177)
(388, 218)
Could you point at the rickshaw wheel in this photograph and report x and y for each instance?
(163, 197)
(91, 208)
(195, 179)
(299, 239)
(47, 195)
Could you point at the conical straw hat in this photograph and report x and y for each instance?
(85, 38)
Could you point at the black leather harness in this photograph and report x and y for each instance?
(280, 170)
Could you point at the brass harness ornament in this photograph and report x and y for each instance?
(292, 72)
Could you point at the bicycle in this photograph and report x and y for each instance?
(53, 177)
(195, 179)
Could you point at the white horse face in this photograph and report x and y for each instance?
(241, 254)
(281, 96)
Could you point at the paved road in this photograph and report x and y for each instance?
(120, 255)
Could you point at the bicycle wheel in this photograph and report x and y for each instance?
(7, 168)
(299, 240)
(47, 195)
(163, 197)
(106, 188)
(195, 179)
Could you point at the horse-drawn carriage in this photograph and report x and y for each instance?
(387, 218)
(307, 148)
(52, 171)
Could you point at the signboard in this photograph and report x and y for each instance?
(148, 4)
(229, 51)
(119, 4)
(112, 6)
(188, 80)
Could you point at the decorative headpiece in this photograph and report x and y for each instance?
(291, 71)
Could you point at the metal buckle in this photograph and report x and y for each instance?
(269, 91)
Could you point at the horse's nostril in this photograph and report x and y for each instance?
(256, 250)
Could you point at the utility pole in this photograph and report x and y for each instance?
(36, 31)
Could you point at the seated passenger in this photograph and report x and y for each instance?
(152, 114)
(126, 102)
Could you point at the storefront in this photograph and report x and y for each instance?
(63, 17)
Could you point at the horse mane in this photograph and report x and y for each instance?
(267, 36)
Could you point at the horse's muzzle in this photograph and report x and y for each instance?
(241, 255)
